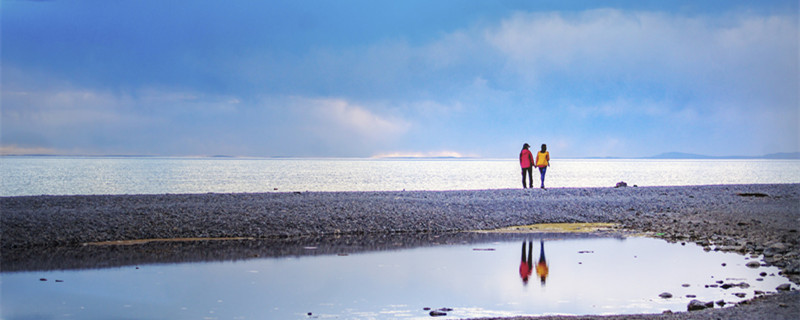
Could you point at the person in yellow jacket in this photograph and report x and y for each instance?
(543, 161)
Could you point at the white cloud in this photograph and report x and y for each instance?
(342, 126)
(80, 107)
(347, 116)
(14, 149)
(61, 107)
(336, 115)
(701, 54)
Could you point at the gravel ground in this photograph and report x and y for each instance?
(754, 219)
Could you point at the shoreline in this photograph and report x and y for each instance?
(752, 219)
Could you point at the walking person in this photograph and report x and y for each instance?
(542, 162)
(526, 162)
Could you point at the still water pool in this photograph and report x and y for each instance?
(517, 275)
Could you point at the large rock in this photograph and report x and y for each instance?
(695, 305)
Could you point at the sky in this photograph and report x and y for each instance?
(369, 78)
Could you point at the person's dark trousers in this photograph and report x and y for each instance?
(530, 177)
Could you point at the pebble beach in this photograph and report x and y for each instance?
(750, 219)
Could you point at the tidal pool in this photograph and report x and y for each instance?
(507, 276)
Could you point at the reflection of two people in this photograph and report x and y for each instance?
(526, 266)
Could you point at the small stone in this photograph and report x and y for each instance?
(784, 287)
(437, 313)
(740, 294)
(691, 296)
(721, 303)
(778, 247)
(685, 285)
(763, 274)
(42, 279)
(753, 264)
(665, 295)
(426, 308)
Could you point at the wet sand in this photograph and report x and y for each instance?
(753, 219)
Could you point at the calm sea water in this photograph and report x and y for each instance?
(583, 277)
(70, 176)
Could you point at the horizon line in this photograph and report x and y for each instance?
(662, 156)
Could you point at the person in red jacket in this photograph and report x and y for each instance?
(543, 161)
(526, 162)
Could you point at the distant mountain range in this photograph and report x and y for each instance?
(681, 155)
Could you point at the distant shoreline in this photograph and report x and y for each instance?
(663, 156)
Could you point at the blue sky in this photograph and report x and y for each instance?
(372, 78)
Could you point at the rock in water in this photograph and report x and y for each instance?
(695, 305)
(665, 295)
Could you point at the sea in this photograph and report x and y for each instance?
(49, 175)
